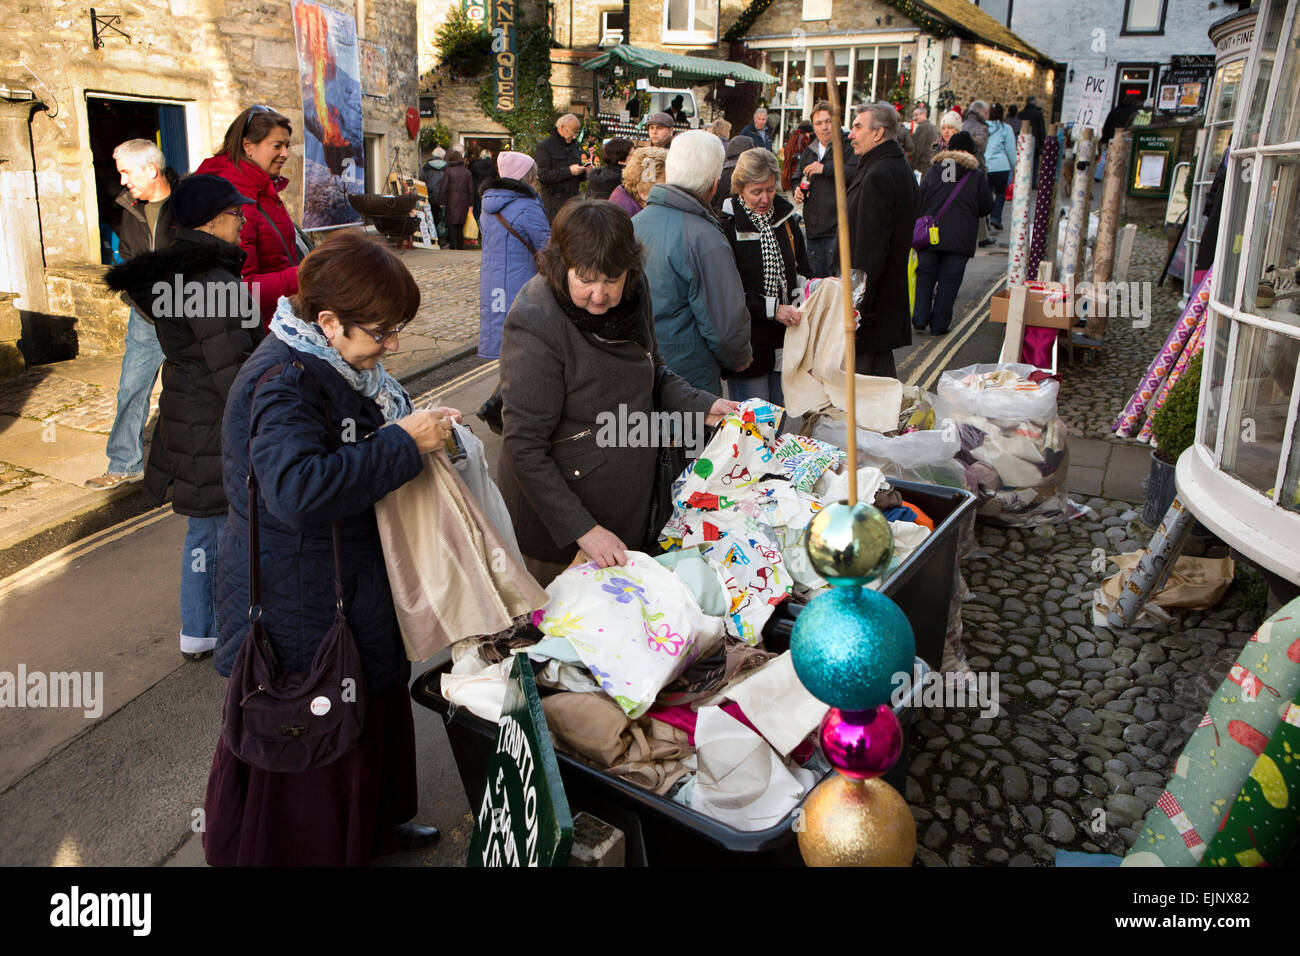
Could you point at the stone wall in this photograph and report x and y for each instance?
(392, 25)
(847, 16)
(98, 316)
(983, 72)
(646, 28)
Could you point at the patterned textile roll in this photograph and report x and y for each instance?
(1192, 316)
(1076, 230)
(1018, 255)
(1043, 211)
(1190, 351)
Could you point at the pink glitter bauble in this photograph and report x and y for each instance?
(862, 743)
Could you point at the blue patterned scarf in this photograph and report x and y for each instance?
(373, 383)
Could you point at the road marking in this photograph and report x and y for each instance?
(460, 381)
(60, 559)
(957, 339)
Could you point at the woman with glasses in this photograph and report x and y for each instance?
(326, 432)
(252, 159)
(207, 326)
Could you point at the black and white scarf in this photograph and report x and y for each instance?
(773, 263)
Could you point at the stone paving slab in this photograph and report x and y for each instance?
(1128, 467)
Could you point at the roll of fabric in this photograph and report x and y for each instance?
(1043, 210)
(1076, 230)
(1160, 366)
(1019, 252)
(1190, 351)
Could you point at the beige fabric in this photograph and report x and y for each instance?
(647, 752)
(451, 573)
(812, 366)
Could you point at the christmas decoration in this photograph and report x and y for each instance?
(856, 823)
(862, 744)
(849, 544)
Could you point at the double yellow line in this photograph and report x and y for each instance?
(932, 362)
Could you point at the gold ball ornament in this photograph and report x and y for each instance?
(849, 545)
(856, 823)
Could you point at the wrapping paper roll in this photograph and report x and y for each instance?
(1165, 359)
(1190, 351)
(1076, 230)
(1043, 211)
(1018, 255)
(1157, 560)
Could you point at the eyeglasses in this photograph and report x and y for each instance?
(382, 337)
(234, 212)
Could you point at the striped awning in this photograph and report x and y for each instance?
(673, 69)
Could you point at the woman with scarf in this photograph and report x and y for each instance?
(579, 347)
(326, 432)
(771, 256)
(645, 167)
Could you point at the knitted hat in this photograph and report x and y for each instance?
(514, 165)
(201, 198)
(963, 142)
(439, 153)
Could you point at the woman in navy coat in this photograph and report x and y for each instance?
(329, 433)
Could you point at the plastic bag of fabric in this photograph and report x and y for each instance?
(925, 455)
(999, 391)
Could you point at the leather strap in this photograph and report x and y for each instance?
(292, 258)
(527, 245)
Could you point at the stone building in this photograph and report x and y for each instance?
(176, 71)
(1126, 41)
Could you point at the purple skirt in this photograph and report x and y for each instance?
(342, 814)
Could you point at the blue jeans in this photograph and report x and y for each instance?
(199, 583)
(766, 387)
(140, 364)
(938, 279)
(824, 257)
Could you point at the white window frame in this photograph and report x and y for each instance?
(606, 34)
(691, 37)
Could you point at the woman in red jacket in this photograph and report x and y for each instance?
(251, 158)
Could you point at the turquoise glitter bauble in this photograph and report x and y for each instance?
(848, 644)
(849, 545)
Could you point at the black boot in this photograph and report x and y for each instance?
(416, 836)
(491, 411)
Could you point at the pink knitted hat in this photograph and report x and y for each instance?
(514, 165)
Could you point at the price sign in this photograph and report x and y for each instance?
(1094, 103)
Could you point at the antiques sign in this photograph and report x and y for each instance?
(503, 52)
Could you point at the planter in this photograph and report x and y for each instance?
(1160, 488)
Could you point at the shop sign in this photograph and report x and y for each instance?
(1184, 84)
(1151, 162)
(1238, 41)
(1094, 99)
(524, 819)
(503, 50)
(477, 11)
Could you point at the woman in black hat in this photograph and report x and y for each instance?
(207, 324)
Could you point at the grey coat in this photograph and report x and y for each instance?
(559, 474)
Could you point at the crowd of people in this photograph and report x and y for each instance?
(660, 277)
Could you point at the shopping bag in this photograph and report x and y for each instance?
(1010, 189)
(471, 227)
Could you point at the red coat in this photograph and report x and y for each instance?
(272, 253)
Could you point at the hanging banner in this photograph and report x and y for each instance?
(333, 145)
(503, 51)
(477, 11)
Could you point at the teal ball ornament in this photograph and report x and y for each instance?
(849, 545)
(848, 644)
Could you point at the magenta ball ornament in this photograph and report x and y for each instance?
(862, 744)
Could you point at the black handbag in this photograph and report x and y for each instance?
(280, 720)
(670, 463)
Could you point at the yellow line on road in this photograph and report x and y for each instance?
(460, 381)
(959, 336)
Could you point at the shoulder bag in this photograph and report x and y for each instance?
(669, 464)
(279, 720)
(926, 231)
(527, 245)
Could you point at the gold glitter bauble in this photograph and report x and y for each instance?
(856, 823)
(849, 545)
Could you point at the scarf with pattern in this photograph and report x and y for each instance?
(773, 263)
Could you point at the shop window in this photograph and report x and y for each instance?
(1262, 384)
(999, 10)
(613, 27)
(1134, 81)
(690, 21)
(1144, 16)
(1272, 30)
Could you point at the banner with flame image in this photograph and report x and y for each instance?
(329, 73)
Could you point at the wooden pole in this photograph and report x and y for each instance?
(1103, 261)
(846, 287)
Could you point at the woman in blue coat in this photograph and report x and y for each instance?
(326, 433)
(514, 229)
(999, 160)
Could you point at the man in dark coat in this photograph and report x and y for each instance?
(758, 131)
(431, 173)
(924, 135)
(817, 171)
(1033, 115)
(145, 226)
(207, 324)
(559, 164)
(883, 200)
(456, 196)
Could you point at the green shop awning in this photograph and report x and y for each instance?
(672, 69)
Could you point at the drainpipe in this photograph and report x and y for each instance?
(22, 255)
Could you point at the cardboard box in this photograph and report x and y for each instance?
(1036, 309)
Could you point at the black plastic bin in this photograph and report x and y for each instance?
(664, 833)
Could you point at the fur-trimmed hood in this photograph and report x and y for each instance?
(965, 160)
(190, 255)
(513, 185)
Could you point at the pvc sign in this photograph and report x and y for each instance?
(524, 819)
(1093, 103)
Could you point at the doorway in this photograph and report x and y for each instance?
(112, 120)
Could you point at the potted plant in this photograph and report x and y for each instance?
(1173, 429)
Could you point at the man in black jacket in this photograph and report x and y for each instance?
(817, 187)
(883, 200)
(560, 171)
(145, 226)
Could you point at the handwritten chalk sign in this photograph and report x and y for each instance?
(524, 819)
(1094, 103)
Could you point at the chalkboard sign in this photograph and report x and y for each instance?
(524, 818)
(1184, 85)
(1151, 162)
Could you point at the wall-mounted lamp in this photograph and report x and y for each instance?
(955, 51)
(1071, 75)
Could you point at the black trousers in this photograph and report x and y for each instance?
(875, 363)
(938, 278)
(456, 235)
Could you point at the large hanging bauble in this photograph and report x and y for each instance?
(848, 644)
(849, 545)
(856, 823)
(862, 744)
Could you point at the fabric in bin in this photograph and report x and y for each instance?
(738, 455)
(1243, 714)
(636, 627)
(804, 460)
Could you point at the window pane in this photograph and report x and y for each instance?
(794, 80)
(999, 10)
(706, 16)
(1214, 366)
(679, 15)
(1261, 397)
(1284, 127)
(1275, 243)
(1290, 497)
(886, 71)
(1143, 15)
(864, 76)
(1228, 87)
(1268, 50)
(1219, 145)
(1233, 223)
